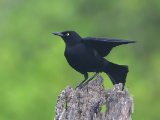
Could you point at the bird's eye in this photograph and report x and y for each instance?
(67, 34)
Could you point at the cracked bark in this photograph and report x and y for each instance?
(86, 103)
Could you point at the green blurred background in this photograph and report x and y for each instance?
(33, 70)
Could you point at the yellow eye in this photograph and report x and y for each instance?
(67, 34)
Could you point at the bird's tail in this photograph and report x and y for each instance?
(117, 73)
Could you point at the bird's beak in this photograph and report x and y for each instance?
(58, 33)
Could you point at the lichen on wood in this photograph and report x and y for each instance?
(86, 103)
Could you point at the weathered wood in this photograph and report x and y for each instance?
(86, 103)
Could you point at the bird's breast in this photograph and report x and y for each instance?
(82, 58)
(76, 53)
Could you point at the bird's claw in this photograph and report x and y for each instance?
(79, 86)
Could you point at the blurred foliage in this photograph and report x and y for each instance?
(33, 70)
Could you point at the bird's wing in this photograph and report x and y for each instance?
(104, 45)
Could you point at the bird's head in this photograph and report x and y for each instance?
(69, 37)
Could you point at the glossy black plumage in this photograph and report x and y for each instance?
(104, 45)
(87, 55)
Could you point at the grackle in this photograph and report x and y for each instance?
(87, 55)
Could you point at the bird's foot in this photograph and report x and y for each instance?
(85, 82)
(79, 86)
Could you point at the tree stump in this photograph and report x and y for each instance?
(86, 103)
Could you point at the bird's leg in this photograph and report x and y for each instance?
(85, 78)
(93, 76)
(89, 79)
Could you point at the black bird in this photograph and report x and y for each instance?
(87, 55)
